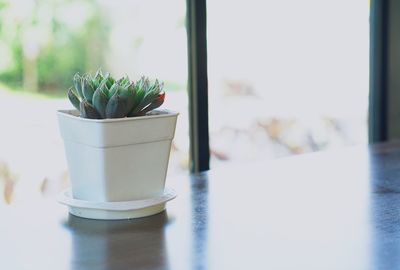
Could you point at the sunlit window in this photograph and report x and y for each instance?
(286, 77)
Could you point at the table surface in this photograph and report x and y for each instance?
(328, 210)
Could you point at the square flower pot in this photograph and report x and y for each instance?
(115, 160)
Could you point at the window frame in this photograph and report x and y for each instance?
(196, 25)
(378, 107)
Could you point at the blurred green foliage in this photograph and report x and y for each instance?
(13, 74)
(45, 45)
(44, 42)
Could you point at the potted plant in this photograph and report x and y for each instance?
(117, 147)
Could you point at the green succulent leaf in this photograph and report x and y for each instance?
(147, 96)
(124, 81)
(87, 89)
(73, 98)
(100, 100)
(116, 107)
(140, 93)
(93, 83)
(104, 81)
(99, 75)
(88, 111)
(78, 84)
(140, 90)
(97, 79)
(113, 89)
(110, 81)
(129, 95)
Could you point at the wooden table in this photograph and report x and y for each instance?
(329, 210)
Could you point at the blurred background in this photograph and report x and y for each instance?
(285, 77)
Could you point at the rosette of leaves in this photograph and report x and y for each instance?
(102, 96)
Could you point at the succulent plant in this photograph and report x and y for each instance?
(101, 96)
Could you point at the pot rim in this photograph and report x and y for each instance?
(160, 113)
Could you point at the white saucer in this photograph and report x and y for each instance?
(116, 210)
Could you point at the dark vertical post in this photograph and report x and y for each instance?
(198, 85)
(379, 92)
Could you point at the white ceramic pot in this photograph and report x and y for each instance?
(114, 160)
